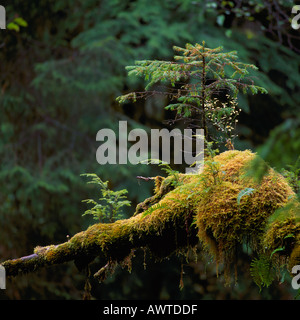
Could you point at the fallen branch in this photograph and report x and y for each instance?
(201, 207)
(112, 242)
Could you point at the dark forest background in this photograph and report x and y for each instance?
(63, 65)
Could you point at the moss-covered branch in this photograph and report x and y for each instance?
(162, 231)
(198, 208)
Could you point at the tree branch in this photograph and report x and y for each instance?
(200, 208)
(111, 241)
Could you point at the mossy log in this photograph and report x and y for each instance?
(208, 208)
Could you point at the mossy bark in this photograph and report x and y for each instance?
(199, 207)
(161, 232)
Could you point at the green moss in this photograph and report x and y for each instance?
(283, 231)
(222, 223)
(295, 256)
(196, 208)
(161, 188)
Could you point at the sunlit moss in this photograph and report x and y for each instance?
(186, 209)
(222, 224)
(282, 233)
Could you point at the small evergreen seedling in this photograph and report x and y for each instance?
(108, 210)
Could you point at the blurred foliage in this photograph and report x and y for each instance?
(16, 24)
(59, 78)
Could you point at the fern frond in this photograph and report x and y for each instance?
(153, 208)
(262, 271)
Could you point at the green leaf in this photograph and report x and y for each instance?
(21, 22)
(290, 235)
(13, 26)
(244, 192)
(277, 250)
(220, 20)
